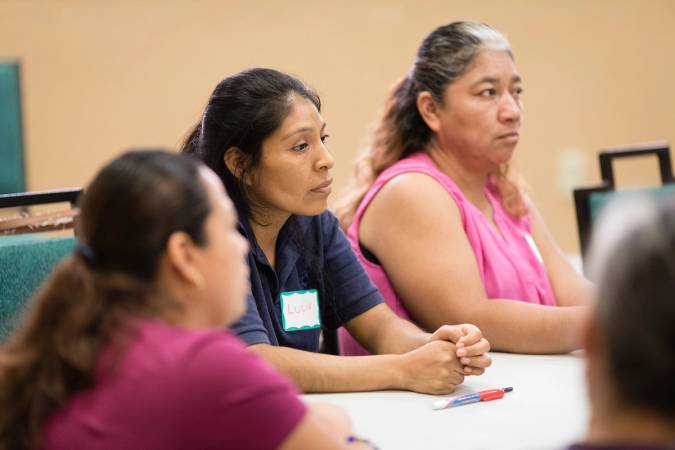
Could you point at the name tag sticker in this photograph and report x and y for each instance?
(533, 247)
(300, 310)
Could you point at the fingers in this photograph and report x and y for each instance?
(479, 348)
(477, 362)
(451, 333)
(475, 358)
(445, 384)
(471, 334)
(442, 381)
(437, 390)
(436, 370)
(471, 347)
(473, 371)
(453, 375)
(444, 355)
(465, 335)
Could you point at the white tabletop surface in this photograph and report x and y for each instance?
(546, 410)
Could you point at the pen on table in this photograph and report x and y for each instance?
(482, 396)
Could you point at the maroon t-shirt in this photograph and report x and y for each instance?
(174, 388)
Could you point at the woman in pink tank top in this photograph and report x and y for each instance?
(438, 219)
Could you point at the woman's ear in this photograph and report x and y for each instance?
(181, 255)
(235, 161)
(428, 109)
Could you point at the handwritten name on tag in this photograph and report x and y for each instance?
(300, 310)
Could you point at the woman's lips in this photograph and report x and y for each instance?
(509, 136)
(324, 188)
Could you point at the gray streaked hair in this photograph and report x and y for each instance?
(444, 56)
(448, 52)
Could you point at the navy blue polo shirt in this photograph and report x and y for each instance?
(304, 242)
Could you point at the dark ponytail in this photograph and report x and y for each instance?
(191, 145)
(127, 215)
(400, 132)
(56, 351)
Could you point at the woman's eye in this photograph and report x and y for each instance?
(488, 92)
(324, 138)
(300, 147)
(517, 92)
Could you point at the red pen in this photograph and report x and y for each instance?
(482, 396)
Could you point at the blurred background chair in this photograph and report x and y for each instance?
(589, 201)
(11, 138)
(30, 247)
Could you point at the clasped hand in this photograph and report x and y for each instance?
(450, 353)
(470, 346)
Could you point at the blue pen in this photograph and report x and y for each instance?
(482, 396)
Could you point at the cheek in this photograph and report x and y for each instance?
(289, 187)
(224, 293)
(233, 269)
(280, 187)
(227, 271)
(458, 130)
(459, 122)
(480, 120)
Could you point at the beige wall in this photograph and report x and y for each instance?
(101, 76)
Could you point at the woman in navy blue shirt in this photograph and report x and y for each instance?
(263, 134)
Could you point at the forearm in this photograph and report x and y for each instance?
(317, 372)
(570, 287)
(580, 293)
(398, 336)
(382, 332)
(519, 327)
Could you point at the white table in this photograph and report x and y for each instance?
(546, 410)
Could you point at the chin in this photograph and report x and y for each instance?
(511, 149)
(503, 156)
(312, 210)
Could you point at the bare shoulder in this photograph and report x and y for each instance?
(412, 193)
(409, 203)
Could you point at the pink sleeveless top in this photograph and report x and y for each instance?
(509, 264)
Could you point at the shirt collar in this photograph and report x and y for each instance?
(287, 250)
(244, 227)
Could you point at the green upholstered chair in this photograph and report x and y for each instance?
(590, 201)
(24, 265)
(11, 139)
(26, 260)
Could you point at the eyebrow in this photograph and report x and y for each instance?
(302, 130)
(492, 80)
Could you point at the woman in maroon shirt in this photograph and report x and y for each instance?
(123, 347)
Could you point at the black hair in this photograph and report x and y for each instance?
(243, 110)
